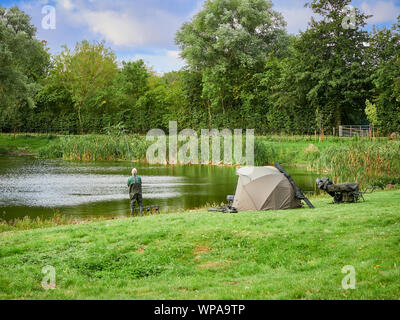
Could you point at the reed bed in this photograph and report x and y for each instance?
(361, 161)
(343, 159)
(97, 148)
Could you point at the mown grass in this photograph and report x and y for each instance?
(24, 143)
(295, 254)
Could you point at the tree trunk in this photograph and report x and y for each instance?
(79, 117)
(209, 114)
(338, 118)
(222, 103)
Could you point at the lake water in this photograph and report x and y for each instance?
(37, 187)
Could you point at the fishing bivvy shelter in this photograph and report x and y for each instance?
(264, 188)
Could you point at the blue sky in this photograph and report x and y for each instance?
(145, 29)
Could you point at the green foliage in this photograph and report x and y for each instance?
(24, 61)
(331, 62)
(243, 71)
(85, 74)
(371, 113)
(116, 130)
(383, 182)
(385, 55)
(264, 153)
(228, 41)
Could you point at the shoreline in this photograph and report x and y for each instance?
(352, 159)
(60, 220)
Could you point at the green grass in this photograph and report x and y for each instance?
(28, 223)
(295, 254)
(24, 143)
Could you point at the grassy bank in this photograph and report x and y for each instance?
(295, 254)
(286, 149)
(28, 223)
(369, 162)
(25, 143)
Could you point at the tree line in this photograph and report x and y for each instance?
(243, 70)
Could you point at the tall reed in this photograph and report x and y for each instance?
(361, 161)
(97, 148)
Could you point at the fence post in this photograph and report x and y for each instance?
(321, 137)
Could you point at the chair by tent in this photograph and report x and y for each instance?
(264, 188)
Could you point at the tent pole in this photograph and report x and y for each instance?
(299, 193)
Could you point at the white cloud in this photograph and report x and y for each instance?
(66, 4)
(296, 18)
(117, 28)
(123, 23)
(382, 11)
(161, 61)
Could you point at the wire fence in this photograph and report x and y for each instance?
(357, 130)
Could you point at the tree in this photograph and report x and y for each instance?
(228, 42)
(134, 78)
(385, 56)
(87, 73)
(371, 112)
(24, 60)
(332, 61)
(397, 81)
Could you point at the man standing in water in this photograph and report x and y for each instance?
(135, 192)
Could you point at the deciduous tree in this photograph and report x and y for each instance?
(228, 42)
(332, 56)
(86, 73)
(24, 60)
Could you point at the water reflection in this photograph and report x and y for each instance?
(36, 187)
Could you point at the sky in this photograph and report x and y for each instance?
(145, 29)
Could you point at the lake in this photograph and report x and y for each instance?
(38, 187)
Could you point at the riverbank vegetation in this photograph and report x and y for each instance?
(367, 161)
(243, 71)
(361, 161)
(28, 223)
(294, 254)
(24, 143)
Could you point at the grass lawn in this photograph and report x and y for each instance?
(295, 254)
(24, 143)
